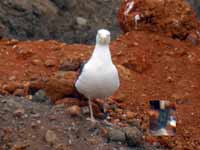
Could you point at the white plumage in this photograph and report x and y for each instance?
(99, 77)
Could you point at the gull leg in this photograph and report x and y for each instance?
(91, 111)
(105, 108)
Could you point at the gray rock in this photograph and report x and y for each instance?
(196, 5)
(40, 96)
(85, 110)
(81, 21)
(133, 136)
(65, 4)
(116, 135)
(56, 19)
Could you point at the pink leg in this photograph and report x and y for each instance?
(91, 111)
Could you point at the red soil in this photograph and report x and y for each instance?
(151, 67)
(172, 18)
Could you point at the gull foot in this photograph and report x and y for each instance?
(92, 120)
(105, 122)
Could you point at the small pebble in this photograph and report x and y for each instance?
(74, 110)
(19, 112)
(51, 137)
(116, 135)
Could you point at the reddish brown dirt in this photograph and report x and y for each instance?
(173, 18)
(150, 66)
(170, 70)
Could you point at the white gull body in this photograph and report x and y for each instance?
(99, 77)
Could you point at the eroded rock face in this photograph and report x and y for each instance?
(173, 18)
(64, 20)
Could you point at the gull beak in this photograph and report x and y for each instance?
(103, 39)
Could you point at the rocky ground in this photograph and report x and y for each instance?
(27, 125)
(63, 20)
(152, 66)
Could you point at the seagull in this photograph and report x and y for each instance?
(99, 77)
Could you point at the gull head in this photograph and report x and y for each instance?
(103, 37)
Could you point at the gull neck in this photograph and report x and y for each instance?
(102, 52)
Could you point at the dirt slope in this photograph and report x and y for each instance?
(162, 68)
(175, 19)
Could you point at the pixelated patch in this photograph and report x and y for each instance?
(162, 117)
